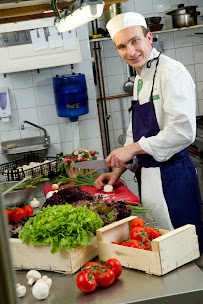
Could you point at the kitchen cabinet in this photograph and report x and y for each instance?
(22, 57)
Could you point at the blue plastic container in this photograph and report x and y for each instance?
(71, 98)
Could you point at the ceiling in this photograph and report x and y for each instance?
(22, 10)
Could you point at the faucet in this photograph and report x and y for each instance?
(32, 124)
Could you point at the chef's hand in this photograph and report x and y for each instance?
(119, 157)
(108, 178)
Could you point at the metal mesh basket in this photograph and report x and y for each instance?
(18, 169)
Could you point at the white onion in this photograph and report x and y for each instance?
(108, 188)
(50, 193)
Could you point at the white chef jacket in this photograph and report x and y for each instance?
(175, 107)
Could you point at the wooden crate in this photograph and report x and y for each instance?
(169, 251)
(39, 257)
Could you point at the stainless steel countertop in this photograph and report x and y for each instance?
(181, 286)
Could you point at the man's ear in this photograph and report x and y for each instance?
(149, 37)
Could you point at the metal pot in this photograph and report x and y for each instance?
(112, 11)
(184, 16)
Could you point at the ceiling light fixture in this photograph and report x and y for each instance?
(77, 14)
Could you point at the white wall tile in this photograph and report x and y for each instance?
(89, 128)
(47, 115)
(115, 104)
(114, 66)
(197, 39)
(12, 99)
(54, 133)
(54, 149)
(67, 147)
(185, 55)
(44, 95)
(6, 81)
(143, 7)
(171, 53)
(61, 70)
(90, 89)
(198, 72)
(191, 70)
(161, 6)
(128, 6)
(82, 32)
(29, 132)
(168, 40)
(25, 98)
(199, 90)
(115, 84)
(183, 38)
(110, 49)
(85, 50)
(22, 80)
(197, 108)
(198, 53)
(29, 114)
(174, 3)
(200, 107)
(43, 78)
(65, 131)
(10, 135)
(84, 67)
(92, 111)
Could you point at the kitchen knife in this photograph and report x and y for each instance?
(94, 164)
(91, 164)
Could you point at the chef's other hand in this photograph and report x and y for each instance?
(106, 178)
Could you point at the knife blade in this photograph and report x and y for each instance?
(91, 164)
(94, 164)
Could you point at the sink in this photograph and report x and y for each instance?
(14, 149)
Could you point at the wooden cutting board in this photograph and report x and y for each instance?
(120, 192)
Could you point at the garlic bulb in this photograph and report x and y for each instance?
(34, 203)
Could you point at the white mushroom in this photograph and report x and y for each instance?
(20, 290)
(33, 276)
(34, 203)
(40, 290)
(108, 188)
(47, 280)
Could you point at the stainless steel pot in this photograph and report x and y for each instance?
(184, 16)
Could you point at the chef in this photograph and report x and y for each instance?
(163, 126)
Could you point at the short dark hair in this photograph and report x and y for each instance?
(145, 30)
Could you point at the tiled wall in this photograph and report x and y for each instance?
(32, 98)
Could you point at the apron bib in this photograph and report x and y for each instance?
(166, 188)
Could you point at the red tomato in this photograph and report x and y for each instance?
(17, 214)
(138, 222)
(135, 231)
(146, 245)
(106, 278)
(134, 244)
(122, 242)
(114, 243)
(86, 282)
(94, 270)
(153, 233)
(115, 266)
(9, 214)
(29, 210)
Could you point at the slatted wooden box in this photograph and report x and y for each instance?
(39, 257)
(169, 251)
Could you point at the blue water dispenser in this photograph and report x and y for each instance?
(71, 98)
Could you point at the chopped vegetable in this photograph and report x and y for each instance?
(108, 188)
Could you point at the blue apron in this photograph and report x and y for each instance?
(178, 174)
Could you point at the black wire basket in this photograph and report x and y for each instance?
(31, 164)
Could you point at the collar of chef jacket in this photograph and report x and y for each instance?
(149, 67)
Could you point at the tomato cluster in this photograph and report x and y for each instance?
(16, 214)
(95, 274)
(140, 236)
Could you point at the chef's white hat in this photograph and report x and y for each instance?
(121, 21)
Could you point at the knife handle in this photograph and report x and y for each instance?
(129, 162)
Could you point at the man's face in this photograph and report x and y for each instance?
(133, 47)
